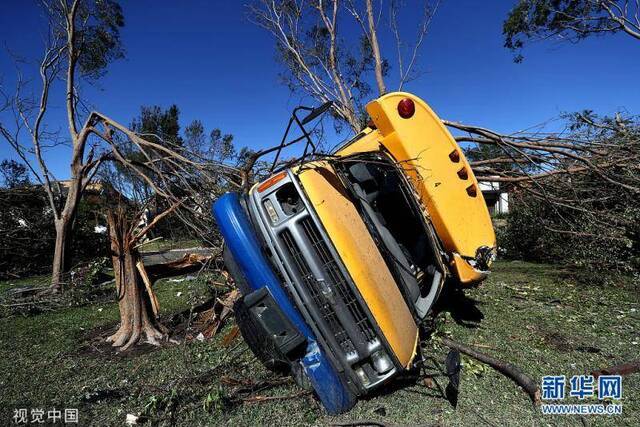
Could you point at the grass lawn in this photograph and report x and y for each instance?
(534, 316)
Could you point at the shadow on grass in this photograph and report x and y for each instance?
(463, 309)
(407, 381)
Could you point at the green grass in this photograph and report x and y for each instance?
(534, 316)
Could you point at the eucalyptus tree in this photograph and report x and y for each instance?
(569, 20)
(83, 39)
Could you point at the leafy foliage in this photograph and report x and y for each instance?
(14, 174)
(538, 232)
(97, 33)
(158, 125)
(219, 147)
(590, 218)
(567, 20)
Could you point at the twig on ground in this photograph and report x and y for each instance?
(483, 346)
(362, 423)
(622, 369)
(260, 399)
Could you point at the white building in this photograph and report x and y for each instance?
(497, 199)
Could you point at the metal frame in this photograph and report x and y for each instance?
(305, 135)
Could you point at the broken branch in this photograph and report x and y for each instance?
(507, 369)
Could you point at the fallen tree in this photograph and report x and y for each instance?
(573, 183)
(182, 185)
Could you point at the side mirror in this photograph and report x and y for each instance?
(316, 112)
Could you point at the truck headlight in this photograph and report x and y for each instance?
(381, 362)
(362, 375)
(273, 215)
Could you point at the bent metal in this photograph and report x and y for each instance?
(340, 257)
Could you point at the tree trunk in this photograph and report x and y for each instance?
(373, 38)
(137, 319)
(64, 228)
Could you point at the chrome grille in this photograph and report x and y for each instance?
(337, 279)
(315, 290)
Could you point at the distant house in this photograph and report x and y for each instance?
(95, 197)
(97, 193)
(496, 197)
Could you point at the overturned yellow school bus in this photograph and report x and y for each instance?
(340, 257)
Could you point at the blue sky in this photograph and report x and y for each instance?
(206, 57)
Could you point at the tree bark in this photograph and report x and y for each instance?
(137, 319)
(61, 254)
(64, 228)
(66, 218)
(373, 38)
(623, 369)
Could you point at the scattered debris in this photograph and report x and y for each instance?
(363, 423)
(211, 320)
(178, 263)
(381, 410)
(452, 363)
(428, 382)
(103, 395)
(260, 399)
(131, 419)
(231, 336)
(183, 279)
